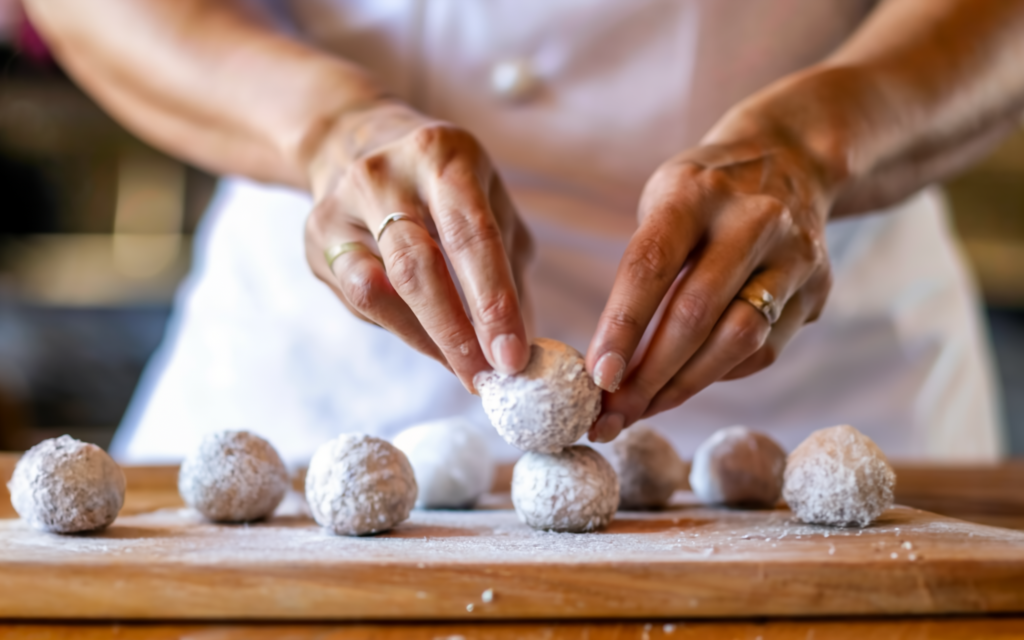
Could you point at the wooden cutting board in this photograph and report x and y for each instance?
(688, 561)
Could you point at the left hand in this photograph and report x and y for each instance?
(715, 221)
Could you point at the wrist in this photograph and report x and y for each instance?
(824, 115)
(355, 132)
(323, 94)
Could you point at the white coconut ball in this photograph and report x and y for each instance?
(451, 461)
(838, 477)
(738, 467)
(63, 485)
(548, 405)
(574, 490)
(233, 476)
(358, 485)
(648, 467)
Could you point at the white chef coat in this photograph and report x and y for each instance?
(612, 89)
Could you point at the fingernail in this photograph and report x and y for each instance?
(608, 372)
(507, 352)
(608, 427)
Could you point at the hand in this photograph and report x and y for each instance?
(385, 159)
(714, 220)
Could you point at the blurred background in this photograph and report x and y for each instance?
(96, 229)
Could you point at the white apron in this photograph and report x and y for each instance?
(257, 342)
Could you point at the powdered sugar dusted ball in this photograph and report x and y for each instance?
(738, 467)
(451, 460)
(358, 484)
(67, 486)
(649, 469)
(839, 477)
(547, 406)
(233, 476)
(573, 490)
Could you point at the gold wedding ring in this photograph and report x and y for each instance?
(334, 252)
(394, 217)
(762, 300)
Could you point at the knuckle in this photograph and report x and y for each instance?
(716, 182)
(497, 308)
(373, 165)
(440, 141)
(410, 265)
(690, 311)
(648, 261)
(808, 247)
(361, 286)
(468, 231)
(771, 213)
(746, 335)
(371, 171)
(621, 319)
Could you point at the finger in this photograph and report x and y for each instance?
(738, 335)
(358, 279)
(416, 268)
(693, 310)
(460, 199)
(803, 307)
(740, 332)
(758, 230)
(793, 317)
(607, 428)
(672, 225)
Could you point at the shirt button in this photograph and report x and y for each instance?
(514, 80)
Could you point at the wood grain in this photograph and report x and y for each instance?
(689, 561)
(916, 629)
(160, 562)
(990, 494)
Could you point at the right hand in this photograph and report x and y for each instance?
(388, 158)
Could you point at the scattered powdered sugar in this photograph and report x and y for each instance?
(574, 490)
(839, 477)
(649, 469)
(67, 486)
(547, 406)
(486, 537)
(233, 476)
(358, 484)
(738, 467)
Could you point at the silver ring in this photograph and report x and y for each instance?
(394, 217)
(762, 300)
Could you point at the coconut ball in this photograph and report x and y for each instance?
(838, 477)
(548, 405)
(451, 461)
(233, 476)
(358, 484)
(738, 467)
(573, 490)
(67, 486)
(649, 469)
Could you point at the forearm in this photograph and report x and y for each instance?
(210, 81)
(921, 90)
